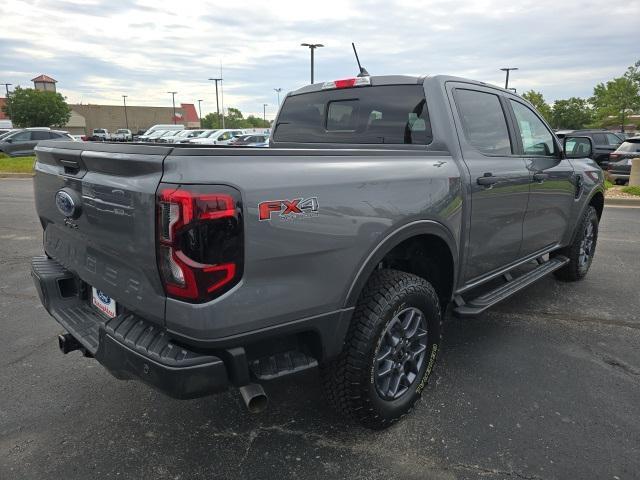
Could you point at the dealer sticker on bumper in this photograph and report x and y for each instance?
(103, 302)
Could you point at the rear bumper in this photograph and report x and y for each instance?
(619, 175)
(127, 345)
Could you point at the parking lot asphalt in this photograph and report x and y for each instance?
(544, 386)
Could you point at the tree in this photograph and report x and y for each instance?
(211, 120)
(537, 100)
(633, 72)
(36, 108)
(233, 119)
(573, 113)
(618, 97)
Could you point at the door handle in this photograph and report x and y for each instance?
(488, 179)
(540, 177)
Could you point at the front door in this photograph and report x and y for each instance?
(553, 183)
(20, 143)
(499, 180)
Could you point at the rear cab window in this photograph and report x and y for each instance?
(483, 121)
(384, 114)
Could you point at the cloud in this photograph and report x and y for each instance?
(99, 50)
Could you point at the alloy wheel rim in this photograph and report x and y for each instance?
(401, 353)
(587, 245)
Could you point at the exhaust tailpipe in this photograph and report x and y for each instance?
(254, 397)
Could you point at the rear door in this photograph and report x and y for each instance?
(110, 242)
(553, 187)
(499, 179)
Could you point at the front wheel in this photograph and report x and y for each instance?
(389, 352)
(582, 248)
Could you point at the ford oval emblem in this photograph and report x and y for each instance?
(67, 204)
(103, 296)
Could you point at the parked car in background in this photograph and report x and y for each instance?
(185, 135)
(22, 142)
(4, 132)
(123, 135)
(79, 138)
(205, 134)
(153, 136)
(219, 137)
(604, 142)
(100, 135)
(249, 140)
(169, 136)
(164, 127)
(620, 160)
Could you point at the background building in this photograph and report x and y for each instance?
(86, 117)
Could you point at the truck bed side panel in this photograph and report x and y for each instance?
(301, 266)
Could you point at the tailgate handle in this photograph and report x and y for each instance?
(70, 166)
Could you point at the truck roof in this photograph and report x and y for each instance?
(377, 80)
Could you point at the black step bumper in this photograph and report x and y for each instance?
(127, 345)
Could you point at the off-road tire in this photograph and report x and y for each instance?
(349, 379)
(577, 269)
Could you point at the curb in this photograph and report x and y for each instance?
(622, 202)
(15, 175)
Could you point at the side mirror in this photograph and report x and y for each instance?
(577, 147)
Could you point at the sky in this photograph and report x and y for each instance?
(99, 50)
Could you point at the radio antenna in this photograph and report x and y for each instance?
(363, 71)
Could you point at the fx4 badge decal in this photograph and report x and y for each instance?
(289, 209)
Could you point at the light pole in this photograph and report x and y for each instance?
(173, 97)
(6, 86)
(506, 82)
(312, 47)
(217, 102)
(126, 119)
(200, 112)
(264, 112)
(278, 90)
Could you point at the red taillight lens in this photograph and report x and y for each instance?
(347, 83)
(200, 240)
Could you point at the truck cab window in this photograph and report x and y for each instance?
(536, 138)
(483, 121)
(390, 114)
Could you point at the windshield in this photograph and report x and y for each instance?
(122, 131)
(630, 147)
(207, 134)
(98, 130)
(6, 134)
(394, 114)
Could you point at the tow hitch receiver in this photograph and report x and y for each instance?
(68, 343)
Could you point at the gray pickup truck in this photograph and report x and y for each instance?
(381, 203)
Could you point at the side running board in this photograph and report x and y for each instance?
(281, 364)
(471, 308)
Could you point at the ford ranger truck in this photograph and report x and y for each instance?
(382, 202)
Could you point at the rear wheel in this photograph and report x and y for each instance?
(582, 249)
(389, 351)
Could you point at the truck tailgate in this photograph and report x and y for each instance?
(109, 240)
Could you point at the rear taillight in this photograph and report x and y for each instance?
(200, 240)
